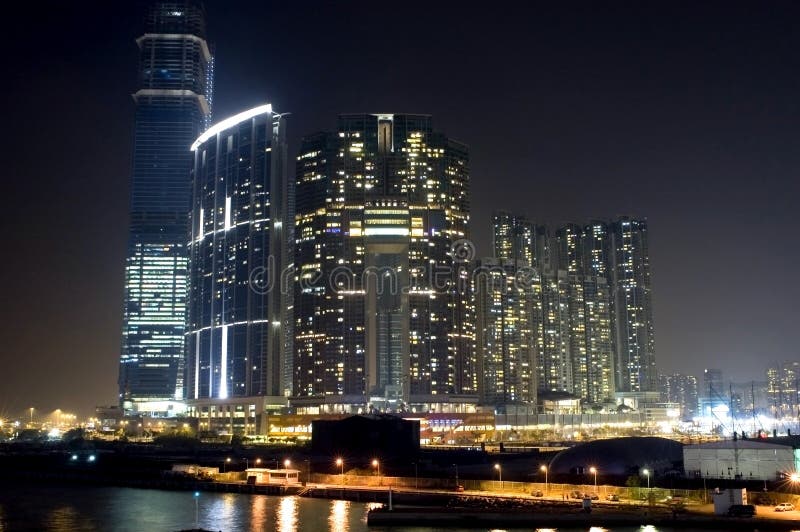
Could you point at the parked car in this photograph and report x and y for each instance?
(593, 496)
(742, 510)
(575, 494)
(612, 497)
(459, 488)
(784, 507)
(537, 493)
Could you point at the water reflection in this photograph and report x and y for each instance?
(337, 522)
(287, 514)
(64, 518)
(258, 513)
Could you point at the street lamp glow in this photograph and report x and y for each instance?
(543, 468)
(287, 463)
(593, 470)
(794, 477)
(500, 473)
(258, 461)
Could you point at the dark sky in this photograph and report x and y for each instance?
(682, 112)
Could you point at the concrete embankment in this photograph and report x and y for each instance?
(520, 518)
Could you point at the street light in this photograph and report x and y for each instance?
(646, 472)
(31, 415)
(258, 461)
(593, 470)
(225, 464)
(546, 485)
(377, 466)
(340, 463)
(287, 463)
(499, 472)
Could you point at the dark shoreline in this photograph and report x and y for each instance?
(516, 518)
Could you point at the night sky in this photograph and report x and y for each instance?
(684, 113)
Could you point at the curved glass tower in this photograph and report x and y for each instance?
(172, 107)
(238, 309)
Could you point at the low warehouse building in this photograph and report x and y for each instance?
(743, 459)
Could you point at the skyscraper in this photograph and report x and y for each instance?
(239, 298)
(172, 105)
(783, 388)
(634, 336)
(382, 217)
(513, 238)
(505, 293)
(681, 389)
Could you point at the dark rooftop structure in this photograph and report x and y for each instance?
(620, 456)
(366, 437)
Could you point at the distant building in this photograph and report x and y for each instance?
(505, 291)
(513, 238)
(239, 307)
(783, 388)
(172, 108)
(383, 310)
(632, 306)
(681, 389)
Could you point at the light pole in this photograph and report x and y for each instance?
(258, 461)
(646, 473)
(500, 473)
(546, 485)
(340, 463)
(286, 464)
(377, 466)
(225, 464)
(31, 415)
(456, 466)
(593, 470)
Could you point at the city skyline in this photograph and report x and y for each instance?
(83, 278)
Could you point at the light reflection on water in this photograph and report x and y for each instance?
(287, 514)
(337, 522)
(77, 508)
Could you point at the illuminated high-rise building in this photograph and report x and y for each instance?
(590, 344)
(681, 389)
(783, 388)
(382, 306)
(554, 361)
(513, 238)
(573, 336)
(505, 293)
(239, 305)
(633, 306)
(172, 106)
